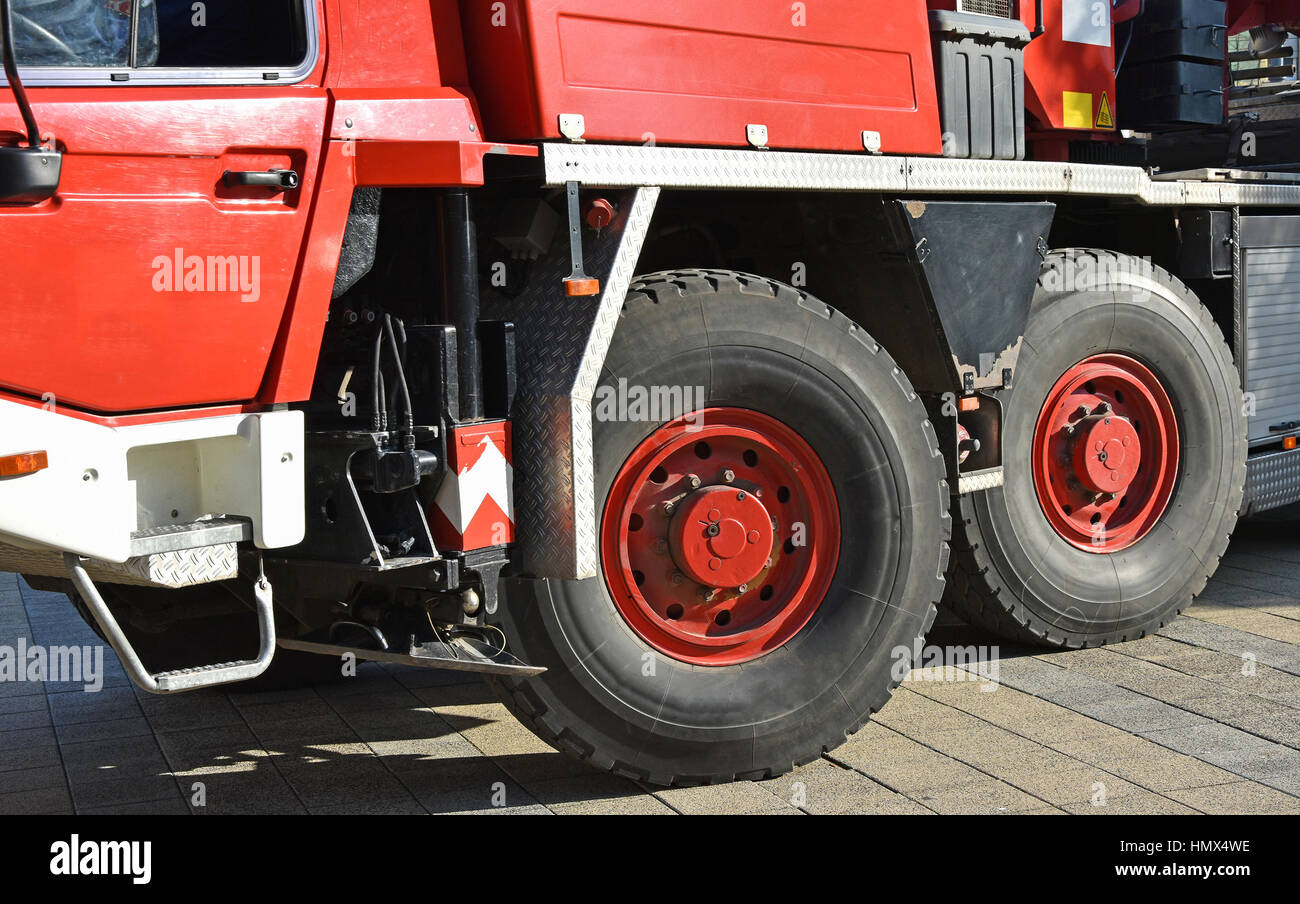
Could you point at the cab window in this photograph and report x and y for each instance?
(160, 34)
(81, 32)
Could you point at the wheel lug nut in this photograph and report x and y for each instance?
(728, 475)
(743, 588)
(694, 481)
(668, 508)
(708, 593)
(677, 577)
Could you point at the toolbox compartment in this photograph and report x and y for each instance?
(702, 73)
(1170, 92)
(980, 64)
(1180, 29)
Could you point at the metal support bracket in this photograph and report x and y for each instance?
(457, 654)
(180, 679)
(577, 282)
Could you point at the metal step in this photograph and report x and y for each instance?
(172, 555)
(460, 655)
(188, 679)
(176, 537)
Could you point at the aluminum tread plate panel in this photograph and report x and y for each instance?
(561, 349)
(1272, 481)
(181, 568)
(685, 167)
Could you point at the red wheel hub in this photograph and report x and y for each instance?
(718, 542)
(721, 536)
(1105, 453)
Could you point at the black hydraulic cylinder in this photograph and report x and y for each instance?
(461, 297)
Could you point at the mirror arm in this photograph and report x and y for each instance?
(11, 74)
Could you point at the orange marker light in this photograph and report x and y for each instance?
(577, 287)
(1289, 442)
(23, 463)
(969, 403)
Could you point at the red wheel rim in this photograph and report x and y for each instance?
(720, 537)
(1105, 453)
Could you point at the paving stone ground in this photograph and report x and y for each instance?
(1203, 717)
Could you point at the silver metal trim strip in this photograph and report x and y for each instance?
(618, 166)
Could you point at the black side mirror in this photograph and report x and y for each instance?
(27, 175)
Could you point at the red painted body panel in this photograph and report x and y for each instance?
(97, 323)
(687, 72)
(1054, 66)
(101, 317)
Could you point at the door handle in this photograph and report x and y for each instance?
(276, 179)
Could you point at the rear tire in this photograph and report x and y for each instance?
(625, 695)
(1019, 569)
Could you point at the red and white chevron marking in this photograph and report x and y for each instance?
(475, 505)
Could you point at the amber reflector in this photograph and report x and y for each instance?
(23, 463)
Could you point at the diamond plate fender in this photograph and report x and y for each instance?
(561, 344)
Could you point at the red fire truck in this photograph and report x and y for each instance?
(666, 363)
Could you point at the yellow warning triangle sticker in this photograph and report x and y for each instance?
(1104, 119)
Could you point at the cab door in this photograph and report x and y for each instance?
(158, 275)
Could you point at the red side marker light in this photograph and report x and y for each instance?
(23, 463)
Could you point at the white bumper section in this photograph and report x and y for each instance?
(104, 483)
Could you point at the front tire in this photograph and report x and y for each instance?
(807, 420)
(1077, 549)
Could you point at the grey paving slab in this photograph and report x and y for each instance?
(171, 806)
(1202, 717)
(1275, 653)
(128, 727)
(35, 778)
(36, 801)
(740, 797)
(28, 756)
(1238, 798)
